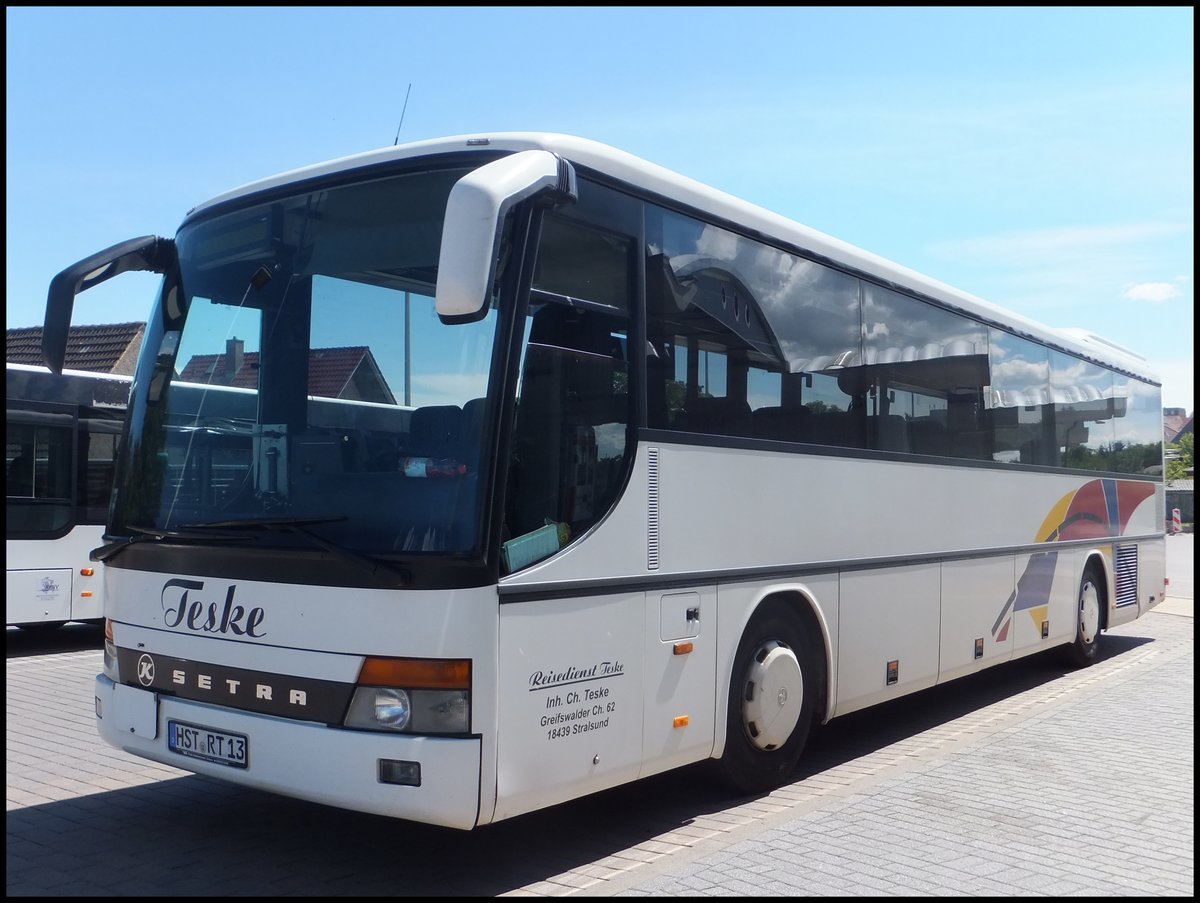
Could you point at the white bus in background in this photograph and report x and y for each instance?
(671, 479)
(61, 435)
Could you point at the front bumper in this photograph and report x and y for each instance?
(301, 759)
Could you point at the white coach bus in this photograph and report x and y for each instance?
(469, 476)
(61, 436)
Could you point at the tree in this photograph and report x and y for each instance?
(1180, 466)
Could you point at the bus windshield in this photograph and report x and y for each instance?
(302, 377)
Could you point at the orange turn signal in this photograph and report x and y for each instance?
(419, 673)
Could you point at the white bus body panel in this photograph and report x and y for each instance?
(889, 619)
(44, 584)
(596, 691)
(38, 595)
(1152, 576)
(968, 600)
(570, 702)
(679, 720)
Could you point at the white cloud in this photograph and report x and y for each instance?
(1152, 291)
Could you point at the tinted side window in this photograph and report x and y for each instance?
(99, 441)
(1022, 415)
(39, 467)
(1082, 393)
(1137, 427)
(747, 340)
(705, 327)
(925, 372)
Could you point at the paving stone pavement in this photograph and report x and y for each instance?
(1087, 795)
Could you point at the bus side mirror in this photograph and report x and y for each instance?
(147, 253)
(475, 212)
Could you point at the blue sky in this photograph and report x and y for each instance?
(1040, 158)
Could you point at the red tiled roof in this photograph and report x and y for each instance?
(1175, 424)
(106, 348)
(330, 372)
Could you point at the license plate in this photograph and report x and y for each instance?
(200, 742)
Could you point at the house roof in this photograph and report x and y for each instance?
(331, 371)
(105, 348)
(1174, 422)
(1182, 430)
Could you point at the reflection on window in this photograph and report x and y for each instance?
(1022, 417)
(807, 354)
(713, 350)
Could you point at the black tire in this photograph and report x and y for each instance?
(766, 728)
(1090, 604)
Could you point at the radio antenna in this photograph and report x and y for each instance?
(406, 93)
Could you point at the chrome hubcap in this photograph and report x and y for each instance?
(772, 695)
(1089, 613)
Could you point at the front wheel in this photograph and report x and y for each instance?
(1089, 618)
(772, 697)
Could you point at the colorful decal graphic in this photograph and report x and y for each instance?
(1099, 509)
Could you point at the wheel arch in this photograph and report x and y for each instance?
(802, 602)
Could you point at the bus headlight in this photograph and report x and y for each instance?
(418, 696)
(392, 708)
(380, 709)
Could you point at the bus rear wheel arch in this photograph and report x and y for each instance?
(774, 694)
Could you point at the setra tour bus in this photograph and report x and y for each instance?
(61, 436)
(469, 476)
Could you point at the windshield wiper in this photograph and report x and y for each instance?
(144, 534)
(299, 526)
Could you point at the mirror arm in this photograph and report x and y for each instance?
(146, 253)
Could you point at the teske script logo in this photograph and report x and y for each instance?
(184, 605)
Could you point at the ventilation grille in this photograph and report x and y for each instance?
(652, 509)
(1127, 575)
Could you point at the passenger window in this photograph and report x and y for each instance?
(1022, 417)
(711, 347)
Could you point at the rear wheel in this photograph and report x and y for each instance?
(772, 698)
(1089, 615)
